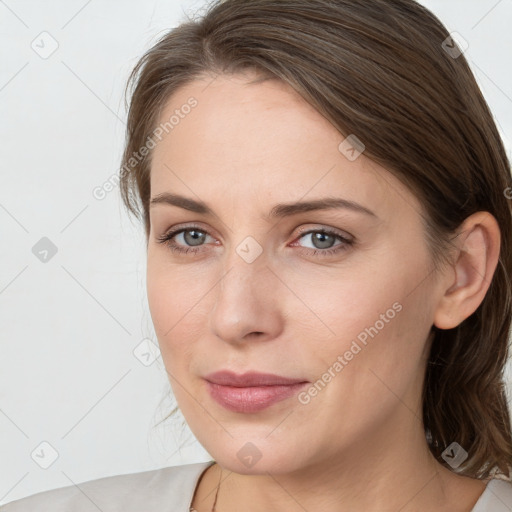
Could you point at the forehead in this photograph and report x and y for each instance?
(259, 141)
(247, 119)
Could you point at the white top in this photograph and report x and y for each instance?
(171, 489)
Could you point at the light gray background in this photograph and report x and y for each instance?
(68, 373)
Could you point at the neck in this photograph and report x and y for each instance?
(395, 471)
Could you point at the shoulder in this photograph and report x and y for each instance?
(497, 497)
(148, 490)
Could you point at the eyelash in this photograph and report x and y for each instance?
(167, 240)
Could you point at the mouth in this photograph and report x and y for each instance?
(252, 391)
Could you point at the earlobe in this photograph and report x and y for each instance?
(469, 279)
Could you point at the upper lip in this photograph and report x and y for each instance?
(228, 378)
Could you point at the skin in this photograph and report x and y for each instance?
(358, 445)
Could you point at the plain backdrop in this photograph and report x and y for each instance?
(79, 398)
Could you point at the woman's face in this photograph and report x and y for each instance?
(266, 291)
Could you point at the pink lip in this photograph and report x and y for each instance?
(252, 391)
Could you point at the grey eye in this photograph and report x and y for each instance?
(321, 240)
(193, 237)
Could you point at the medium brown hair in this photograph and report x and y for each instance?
(379, 69)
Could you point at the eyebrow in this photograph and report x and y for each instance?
(278, 211)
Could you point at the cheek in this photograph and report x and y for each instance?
(371, 328)
(382, 363)
(176, 301)
(337, 307)
(367, 375)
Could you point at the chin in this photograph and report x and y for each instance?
(257, 457)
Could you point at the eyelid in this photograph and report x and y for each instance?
(327, 229)
(180, 228)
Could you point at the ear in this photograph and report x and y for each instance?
(467, 282)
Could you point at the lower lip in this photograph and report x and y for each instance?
(251, 399)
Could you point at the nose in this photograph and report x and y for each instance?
(246, 303)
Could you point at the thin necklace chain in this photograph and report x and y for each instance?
(192, 509)
(216, 493)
